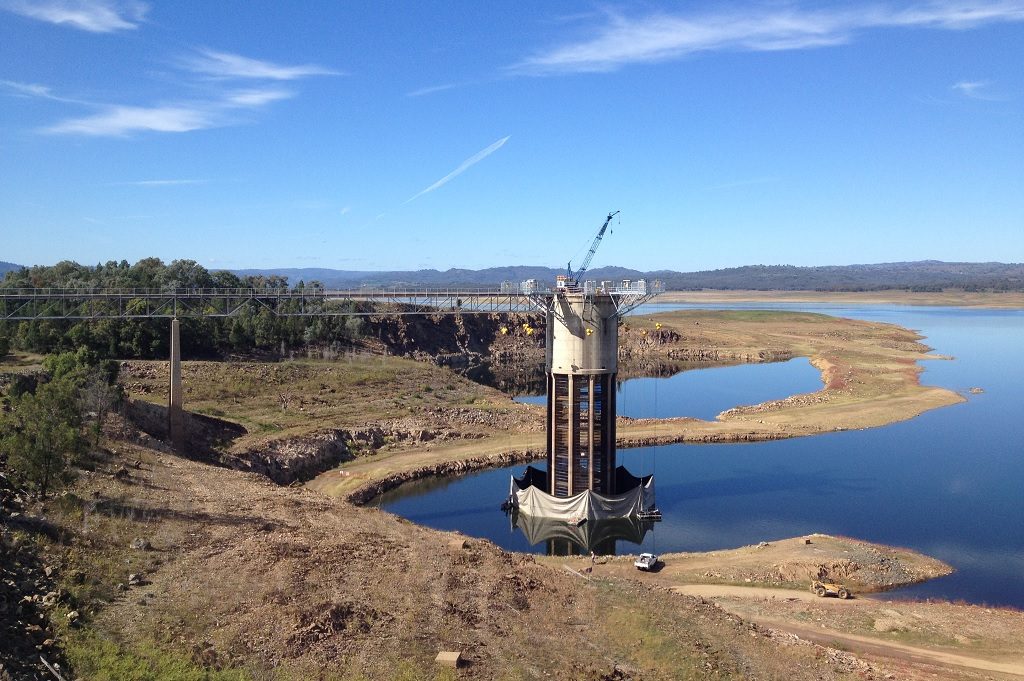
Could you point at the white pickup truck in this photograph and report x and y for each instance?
(645, 561)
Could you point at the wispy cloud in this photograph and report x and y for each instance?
(622, 40)
(227, 65)
(30, 89)
(118, 121)
(237, 90)
(122, 121)
(431, 90)
(346, 210)
(97, 16)
(463, 167)
(255, 98)
(37, 91)
(976, 89)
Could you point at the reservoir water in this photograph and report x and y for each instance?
(705, 393)
(949, 483)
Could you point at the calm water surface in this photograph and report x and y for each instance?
(705, 393)
(949, 483)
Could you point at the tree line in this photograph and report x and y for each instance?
(253, 329)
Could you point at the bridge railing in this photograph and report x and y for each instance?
(96, 303)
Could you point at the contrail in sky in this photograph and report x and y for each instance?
(463, 167)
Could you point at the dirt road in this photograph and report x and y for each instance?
(729, 591)
(923, 658)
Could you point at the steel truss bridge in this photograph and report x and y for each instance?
(96, 304)
(85, 304)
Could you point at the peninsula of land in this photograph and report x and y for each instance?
(869, 372)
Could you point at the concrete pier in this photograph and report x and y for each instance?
(175, 413)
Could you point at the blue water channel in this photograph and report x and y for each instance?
(705, 393)
(949, 483)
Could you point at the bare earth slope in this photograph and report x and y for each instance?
(286, 583)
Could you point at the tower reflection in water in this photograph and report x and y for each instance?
(565, 539)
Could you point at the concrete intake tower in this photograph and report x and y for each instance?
(582, 362)
(582, 484)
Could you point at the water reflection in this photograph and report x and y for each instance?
(669, 390)
(563, 539)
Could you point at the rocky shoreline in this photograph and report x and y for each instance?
(371, 490)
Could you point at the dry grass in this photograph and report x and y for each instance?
(289, 398)
(249, 580)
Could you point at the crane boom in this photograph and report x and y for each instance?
(574, 278)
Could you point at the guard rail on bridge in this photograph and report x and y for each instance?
(80, 303)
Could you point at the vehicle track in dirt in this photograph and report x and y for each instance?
(925, 659)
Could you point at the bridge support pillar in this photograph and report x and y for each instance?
(175, 412)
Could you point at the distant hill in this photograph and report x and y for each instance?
(486, 278)
(6, 267)
(927, 275)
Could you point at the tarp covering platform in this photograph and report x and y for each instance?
(530, 498)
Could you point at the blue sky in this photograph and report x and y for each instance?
(406, 135)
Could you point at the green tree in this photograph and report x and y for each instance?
(91, 379)
(5, 346)
(42, 434)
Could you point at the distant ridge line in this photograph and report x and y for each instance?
(925, 275)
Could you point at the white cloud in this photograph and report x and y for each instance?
(228, 65)
(122, 121)
(346, 210)
(969, 88)
(97, 16)
(430, 90)
(29, 89)
(255, 98)
(118, 121)
(976, 89)
(463, 167)
(661, 37)
(37, 91)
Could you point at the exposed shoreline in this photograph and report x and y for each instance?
(869, 371)
(1009, 300)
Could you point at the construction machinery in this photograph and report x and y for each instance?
(823, 588)
(571, 282)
